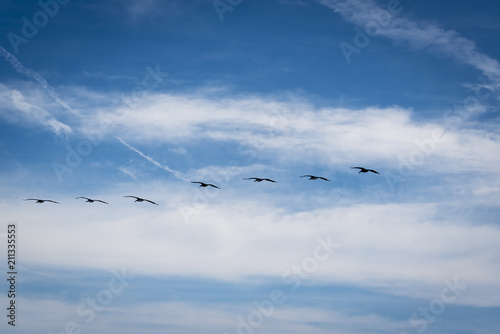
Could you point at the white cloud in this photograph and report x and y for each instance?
(16, 108)
(291, 131)
(235, 234)
(403, 248)
(287, 131)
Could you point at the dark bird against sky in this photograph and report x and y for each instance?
(203, 184)
(90, 200)
(257, 179)
(40, 200)
(138, 199)
(365, 170)
(312, 177)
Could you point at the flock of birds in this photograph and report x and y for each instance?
(202, 184)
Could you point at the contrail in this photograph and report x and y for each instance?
(418, 34)
(9, 57)
(153, 161)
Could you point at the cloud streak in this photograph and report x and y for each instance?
(153, 161)
(10, 58)
(418, 35)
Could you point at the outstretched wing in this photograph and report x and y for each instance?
(250, 178)
(196, 182)
(49, 200)
(211, 185)
(133, 197)
(320, 177)
(82, 197)
(357, 168)
(270, 180)
(306, 176)
(373, 171)
(30, 199)
(147, 200)
(98, 200)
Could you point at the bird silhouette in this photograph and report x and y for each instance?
(138, 199)
(365, 170)
(90, 200)
(257, 179)
(203, 184)
(40, 200)
(312, 177)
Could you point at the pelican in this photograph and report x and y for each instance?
(138, 199)
(257, 179)
(40, 200)
(203, 184)
(312, 177)
(365, 170)
(90, 200)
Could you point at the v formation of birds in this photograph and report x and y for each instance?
(201, 184)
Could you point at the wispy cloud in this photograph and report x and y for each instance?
(129, 172)
(419, 35)
(220, 317)
(291, 131)
(10, 58)
(15, 107)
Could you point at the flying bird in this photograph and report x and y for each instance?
(40, 200)
(312, 177)
(203, 184)
(138, 199)
(365, 170)
(256, 179)
(90, 200)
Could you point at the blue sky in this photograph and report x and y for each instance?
(140, 97)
